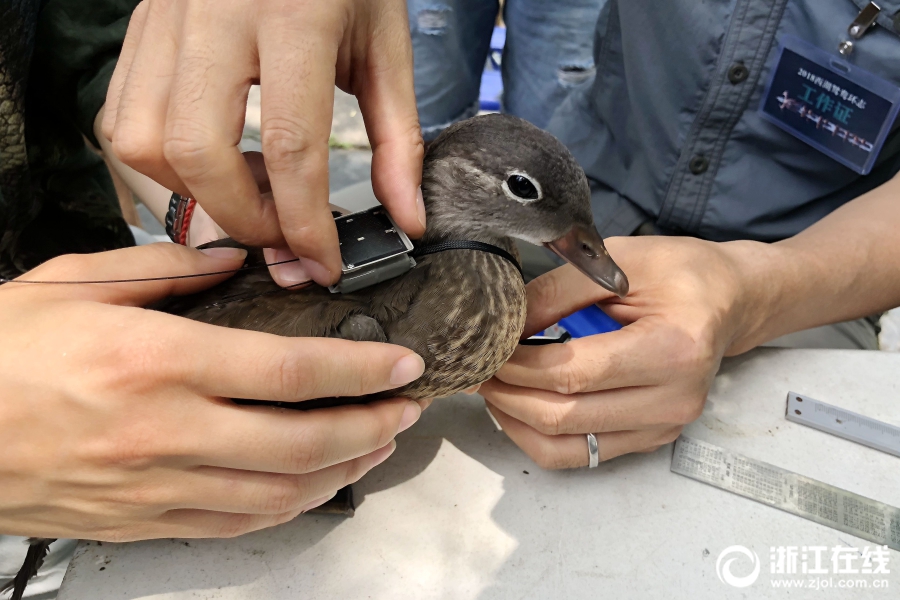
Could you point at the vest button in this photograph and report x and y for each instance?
(698, 165)
(738, 73)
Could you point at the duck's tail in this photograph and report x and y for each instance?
(37, 552)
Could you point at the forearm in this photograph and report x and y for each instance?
(844, 267)
(154, 196)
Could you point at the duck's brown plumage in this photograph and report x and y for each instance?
(462, 311)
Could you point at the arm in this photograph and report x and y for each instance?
(692, 302)
(844, 267)
(154, 196)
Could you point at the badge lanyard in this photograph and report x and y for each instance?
(834, 106)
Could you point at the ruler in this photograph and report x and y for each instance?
(799, 495)
(843, 423)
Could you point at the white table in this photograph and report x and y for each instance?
(459, 513)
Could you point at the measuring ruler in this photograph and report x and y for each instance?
(825, 504)
(843, 423)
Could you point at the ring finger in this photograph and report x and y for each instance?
(571, 451)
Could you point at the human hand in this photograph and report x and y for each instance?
(285, 270)
(634, 388)
(176, 102)
(115, 421)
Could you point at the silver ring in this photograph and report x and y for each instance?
(593, 451)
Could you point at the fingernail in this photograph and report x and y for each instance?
(420, 205)
(316, 503)
(290, 272)
(225, 253)
(317, 271)
(411, 414)
(382, 454)
(409, 368)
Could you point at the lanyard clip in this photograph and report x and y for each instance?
(860, 25)
(864, 20)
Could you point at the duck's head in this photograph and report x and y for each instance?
(497, 176)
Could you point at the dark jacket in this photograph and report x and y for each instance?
(56, 195)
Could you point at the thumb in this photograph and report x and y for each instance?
(387, 101)
(558, 294)
(161, 260)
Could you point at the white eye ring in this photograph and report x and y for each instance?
(512, 196)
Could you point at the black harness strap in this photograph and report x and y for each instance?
(419, 251)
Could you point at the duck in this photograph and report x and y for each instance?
(491, 179)
(486, 182)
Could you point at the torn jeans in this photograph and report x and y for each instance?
(548, 53)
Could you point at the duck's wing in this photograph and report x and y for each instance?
(251, 300)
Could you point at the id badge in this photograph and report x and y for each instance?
(834, 106)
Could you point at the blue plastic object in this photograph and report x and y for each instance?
(498, 40)
(491, 79)
(589, 321)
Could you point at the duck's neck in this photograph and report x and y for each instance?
(448, 219)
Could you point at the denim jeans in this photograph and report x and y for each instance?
(549, 52)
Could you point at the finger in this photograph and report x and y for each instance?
(615, 410)
(205, 120)
(293, 442)
(162, 260)
(123, 66)
(286, 269)
(571, 451)
(647, 352)
(193, 523)
(317, 503)
(140, 114)
(249, 492)
(558, 294)
(232, 363)
(297, 75)
(388, 104)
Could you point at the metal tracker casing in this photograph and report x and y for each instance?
(373, 249)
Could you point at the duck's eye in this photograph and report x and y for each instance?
(522, 187)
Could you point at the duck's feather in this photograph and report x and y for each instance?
(462, 311)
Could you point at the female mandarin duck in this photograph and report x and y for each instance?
(488, 179)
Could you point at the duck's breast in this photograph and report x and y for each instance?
(465, 322)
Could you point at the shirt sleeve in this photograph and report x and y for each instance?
(76, 49)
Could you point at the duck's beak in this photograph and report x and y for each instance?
(583, 248)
